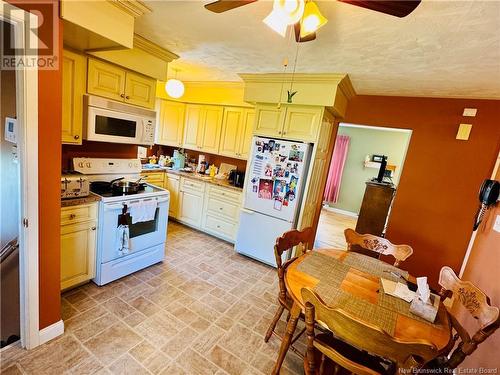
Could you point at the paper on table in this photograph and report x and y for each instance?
(398, 290)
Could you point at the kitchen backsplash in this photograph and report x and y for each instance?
(118, 150)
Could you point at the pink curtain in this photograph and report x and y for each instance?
(336, 168)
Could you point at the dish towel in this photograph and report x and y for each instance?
(123, 239)
(143, 211)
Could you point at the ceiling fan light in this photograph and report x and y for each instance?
(174, 88)
(312, 19)
(290, 10)
(277, 22)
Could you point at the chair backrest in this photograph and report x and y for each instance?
(377, 244)
(362, 335)
(288, 241)
(477, 303)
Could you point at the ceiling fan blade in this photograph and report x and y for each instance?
(221, 6)
(298, 39)
(396, 8)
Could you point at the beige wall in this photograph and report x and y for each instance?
(482, 270)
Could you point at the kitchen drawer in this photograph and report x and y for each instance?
(154, 178)
(78, 214)
(173, 176)
(188, 184)
(220, 227)
(226, 209)
(225, 194)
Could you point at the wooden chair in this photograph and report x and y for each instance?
(349, 334)
(284, 243)
(478, 305)
(378, 245)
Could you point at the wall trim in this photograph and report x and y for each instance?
(51, 332)
(374, 127)
(153, 49)
(339, 211)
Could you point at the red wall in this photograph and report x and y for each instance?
(49, 173)
(437, 194)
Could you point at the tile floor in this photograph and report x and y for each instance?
(204, 310)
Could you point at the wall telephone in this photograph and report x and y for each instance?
(488, 195)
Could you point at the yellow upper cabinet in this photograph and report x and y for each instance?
(202, 127)
(170, 123)
(116, 83)
(302, 123)
(269, 120)
(236, 134)
(106, 80)
(140, 90)
(74, 71)
(296, 122)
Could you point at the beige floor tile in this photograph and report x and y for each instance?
(12, 370)
(111, 343)
(180, 342)
(126, 365)
(93, 328)
(156, 362)
(174, 369)
(195, 364)
(225, 360)
(200, 324)
(157, 329)
(118, 307)
(208, 339)
(145, 306)
(241, 342)
(142, 351)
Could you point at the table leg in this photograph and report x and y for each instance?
(287, 337)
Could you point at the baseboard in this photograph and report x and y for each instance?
(339, 211)
(51, 332)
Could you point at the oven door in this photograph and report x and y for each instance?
(111, 126)
(143, 235)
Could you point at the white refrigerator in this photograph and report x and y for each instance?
(273, 191)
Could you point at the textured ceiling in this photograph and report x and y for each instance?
(442, 49)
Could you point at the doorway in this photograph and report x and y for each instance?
(10, 187)
(355, 161)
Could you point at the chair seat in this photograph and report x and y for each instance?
(352, 354)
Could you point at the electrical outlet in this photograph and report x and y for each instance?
(496, 226)
(470, 112)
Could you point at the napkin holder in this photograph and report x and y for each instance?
(426, 310)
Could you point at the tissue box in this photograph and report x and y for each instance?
(426, 310)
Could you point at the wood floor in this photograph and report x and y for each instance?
(331, 229)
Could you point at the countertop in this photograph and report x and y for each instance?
(78, 201)
(194, 176)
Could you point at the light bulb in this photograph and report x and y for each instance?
(276, 21)
(174, 88)
(312, 19)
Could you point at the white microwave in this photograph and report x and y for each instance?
(110, 121)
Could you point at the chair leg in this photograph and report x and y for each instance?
(272, 326)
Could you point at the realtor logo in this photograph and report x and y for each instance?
(41, 44)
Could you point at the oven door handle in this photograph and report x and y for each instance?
(111, 207)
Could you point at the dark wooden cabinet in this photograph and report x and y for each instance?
(375, 208)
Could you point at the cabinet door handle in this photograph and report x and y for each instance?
(284, 133)
(279, 132)
(72, 216)
(127, 97)
(220, 208)
(76, 136)
(122, 95)
(93, 228)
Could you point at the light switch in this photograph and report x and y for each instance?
(470, 112)
(464, 132)
(496, 226)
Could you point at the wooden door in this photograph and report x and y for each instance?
(246, 133)
(78, 243)
(302, 123)
(172, 185)
(140, 90)
(269, 120)
(211, 128)
(190, 208)
(192, 126)
(231, 132)
(106, 80)
(74, 73)
(171, 123)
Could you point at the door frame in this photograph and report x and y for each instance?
(27, 146)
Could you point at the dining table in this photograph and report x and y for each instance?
(351, 282)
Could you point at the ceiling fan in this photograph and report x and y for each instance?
(297, 12)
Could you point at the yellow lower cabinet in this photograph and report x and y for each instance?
(156, 178)
(190, 208)
(172, 185)
(78, 246)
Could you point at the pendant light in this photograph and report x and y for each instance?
(174, 87)
(284, 13)
(312, 19)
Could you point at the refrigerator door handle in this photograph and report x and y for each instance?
(247, 211)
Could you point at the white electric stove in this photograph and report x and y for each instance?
(146, 243)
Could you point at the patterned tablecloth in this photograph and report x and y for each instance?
(331, 272)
